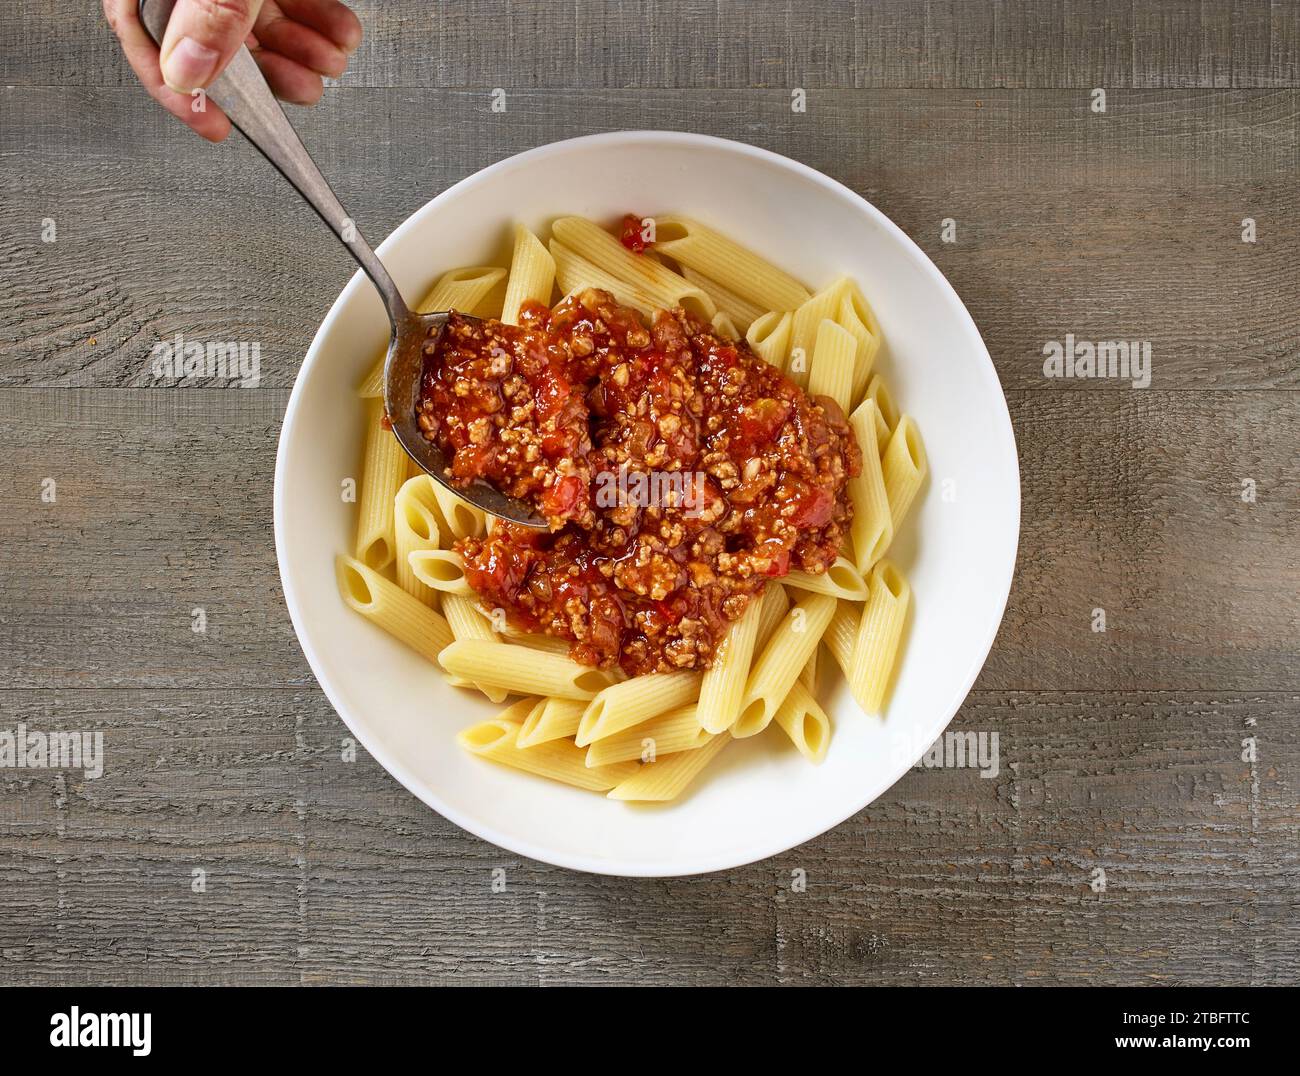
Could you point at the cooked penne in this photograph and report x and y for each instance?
(528, 672)
(904, 466)
(574, 273)
(466, 623)
(808, 674)
(532, 275)
(724, 327)
(803, 329)
(441, 570)
(840, 580)
(723, 684)
(559, 760)
(387, 605)
(667, 777)
(652, 278)
(621, 705)
(875, 648)
(833, 358)
(872, 528)
(841, 633)
(415, 526)
(741, 311)
(805, 722)
(551, 719)
(769, 336)
(382, 474)
(551, 644)
(474, 289)
(886, 412)
(776, 603)
(464, 520)
(677, 730)
(856, 316)
(780, 662)
(734, 267)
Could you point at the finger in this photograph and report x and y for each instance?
(201, 38)
(289, 80)
(295, 41)
(142, 54)
(330, 17)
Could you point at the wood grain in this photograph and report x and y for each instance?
(1126, 752)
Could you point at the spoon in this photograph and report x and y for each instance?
(244, 96)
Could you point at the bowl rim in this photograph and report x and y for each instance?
(757, 849)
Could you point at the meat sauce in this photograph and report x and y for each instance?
(677, 472)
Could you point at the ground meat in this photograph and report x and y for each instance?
(677, 473)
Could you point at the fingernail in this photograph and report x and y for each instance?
(189, 65)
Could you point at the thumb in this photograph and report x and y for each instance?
(201, 38)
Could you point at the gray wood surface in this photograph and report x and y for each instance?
(1121, 751)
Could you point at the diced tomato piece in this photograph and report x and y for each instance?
(564, 499)
(633, 234)
(813, 508)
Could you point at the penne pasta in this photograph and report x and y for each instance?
(780, 662)
(652, 278)
(805, 722)
(441, 570)
(739, 309)
(856, 317)
(551, 719)
(840, 580)
(734, 267)
(803, 329)
(872, 528)
(466, 623)
(677, 730)
(833, 358)
(463, 520)
(415, 526)
(875, 647)
(474, 289)
(776, 603)
(886, 412)
(841, 633)
(621, 705)
(668, 777)
(904, 466)
(385, 604)
(496, 740)
(574, 273)
(551, 644)
(769, 336)
(532, 275)
(528, 672)
(382, 473)
(723, 684)
(724, 327)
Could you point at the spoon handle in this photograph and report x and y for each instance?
(244, 96)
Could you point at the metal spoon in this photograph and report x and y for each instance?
(244, 96)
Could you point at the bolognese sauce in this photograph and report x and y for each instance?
(575, 410)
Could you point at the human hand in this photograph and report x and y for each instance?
(295, 43)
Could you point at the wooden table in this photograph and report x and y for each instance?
(1125, 752)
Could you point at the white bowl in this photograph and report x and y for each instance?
(958, 548)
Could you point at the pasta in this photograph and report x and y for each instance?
(382, 474)
(875, 646)
(416, 527)
(532, 672)
(833, 358)
(677, 730)
(631, 702)
(905, 466)
(648, 736)
(388, 606)
(872, 528)
(666, 778)
(532, 275)
(769, 336)
(734, 267)
(559, 760)
(777, 668)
